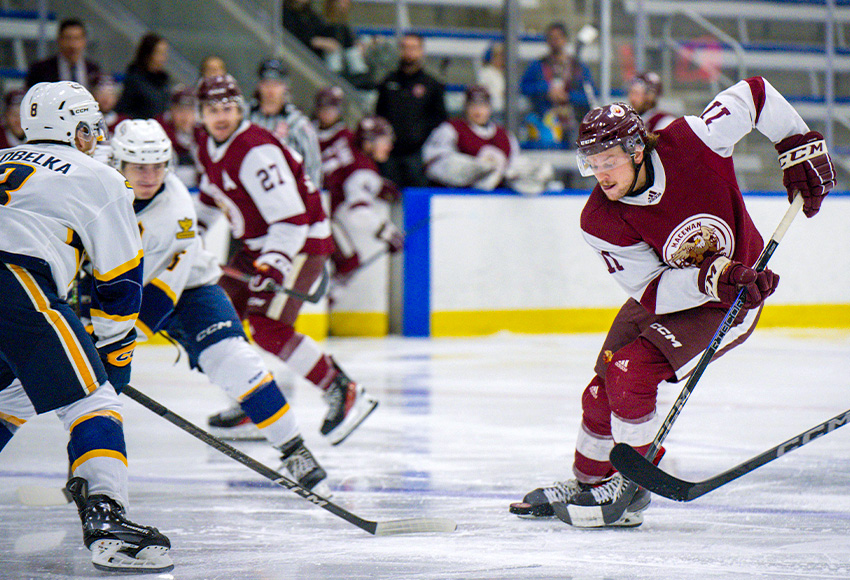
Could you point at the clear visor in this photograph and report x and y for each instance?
(96, 129)
(596, 160)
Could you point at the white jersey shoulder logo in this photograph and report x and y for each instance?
(696, 238)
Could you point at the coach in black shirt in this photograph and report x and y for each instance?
(412, 101)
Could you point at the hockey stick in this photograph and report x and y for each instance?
(632, 465)
(618, 507)
(407, 526)
(313, 297)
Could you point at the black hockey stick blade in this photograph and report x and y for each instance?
(406, 526)
(312, 297)
(646, 474)
(643, 472)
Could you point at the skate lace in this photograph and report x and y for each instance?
(561, 491)
(610, 491)
(300, 463)
(335, 397)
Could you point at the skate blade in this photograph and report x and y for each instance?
(240, 433)
(112, 556)
(355, 417)
(594, 516)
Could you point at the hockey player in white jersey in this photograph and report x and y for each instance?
(182, 298)
(57, 203)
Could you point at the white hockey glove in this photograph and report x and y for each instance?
(392, 236)
(271, 269)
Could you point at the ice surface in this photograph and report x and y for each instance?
(466, 426)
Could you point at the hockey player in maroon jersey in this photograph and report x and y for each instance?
(336, 140)
(644, 91)
(473, 151)
(360, 197)
(669, 223)
(273, 207)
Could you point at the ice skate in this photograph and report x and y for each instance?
(538, 503)
(301, 464)
(349, 405)
(117, 544)
(602, 506)
(234, 425)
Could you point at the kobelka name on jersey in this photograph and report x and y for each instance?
(43, 159)
(697, 238)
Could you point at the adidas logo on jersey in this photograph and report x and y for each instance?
(594, 391)
(623, 365)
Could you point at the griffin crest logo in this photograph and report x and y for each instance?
(696, 239)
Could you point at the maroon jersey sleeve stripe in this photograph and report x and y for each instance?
(759, 95)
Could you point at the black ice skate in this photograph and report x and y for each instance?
(349, 405)
(301, 464)
(616, 502)
(538, 503)
(117, 544)
(234, 425)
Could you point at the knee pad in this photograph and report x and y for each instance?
(632, 379)
(235, 366)
(271, 335)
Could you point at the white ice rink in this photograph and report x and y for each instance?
(466, 426)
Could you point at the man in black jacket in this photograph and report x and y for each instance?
(412, 101)
(70, 64)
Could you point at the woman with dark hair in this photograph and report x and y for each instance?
(146, 91)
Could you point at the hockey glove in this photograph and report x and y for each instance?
(116, 358)
(389, 192)
(391, 235)
(807, 168)
(722, 279)
(271, 268)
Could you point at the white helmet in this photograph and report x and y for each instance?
(55, 111)
(140, 141)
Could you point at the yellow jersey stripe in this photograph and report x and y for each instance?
(144, 328)
(283, 410)
(75, 352)
(98, 453)
(263, 381)
(12, 420)
(165, 288)
(118, 318)
(122, 269)
(103, 413)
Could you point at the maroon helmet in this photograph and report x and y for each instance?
(476, 94)
(372, 127)
(218, 89)
(183, 96)
(329, 97)
(651, 82)
(606, 127)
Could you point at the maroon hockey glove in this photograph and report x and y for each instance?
(271, 268)
(391, 235)
(722, 279)
(807, 168)
(389, 192)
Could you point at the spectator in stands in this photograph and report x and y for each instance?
(11, 133)
(348, 60)
(147, 90)
(644, 91)
(475, 152)
(306, 25)
(105, 92)
(181, 125)
(491, 76)
(271, 110)
(70, 64)
(212, 66)
(413, 103)
(557, 80)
